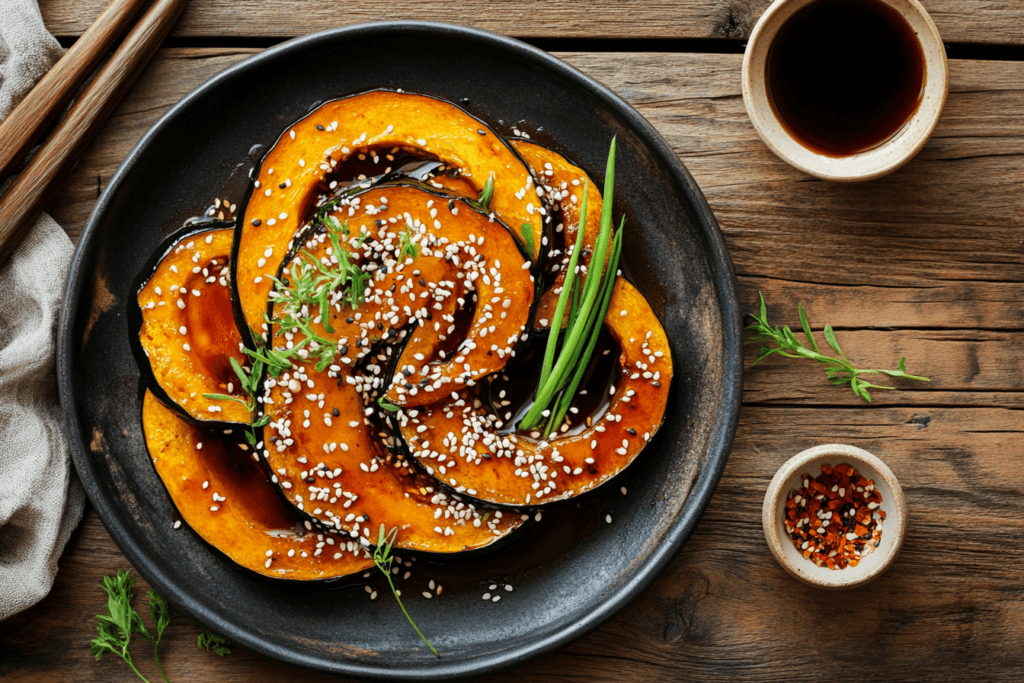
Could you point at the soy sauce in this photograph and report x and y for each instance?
(844, 76)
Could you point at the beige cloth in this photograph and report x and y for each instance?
(41, 498)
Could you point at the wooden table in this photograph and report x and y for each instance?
(927, 263)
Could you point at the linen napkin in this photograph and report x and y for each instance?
(41, 498)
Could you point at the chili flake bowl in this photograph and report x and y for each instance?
(788, 479)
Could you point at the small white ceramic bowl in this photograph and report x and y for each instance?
(872, 163)
(809, 462)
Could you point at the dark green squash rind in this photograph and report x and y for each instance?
(133, 316)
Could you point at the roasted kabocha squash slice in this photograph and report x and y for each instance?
(461, 441)
(226, 498)
(382, 286)
(297, 171)
(338, 464)
(563, 184)
(182, 329)
(422, 259)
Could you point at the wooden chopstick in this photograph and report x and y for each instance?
(29, 120)
(25, 199)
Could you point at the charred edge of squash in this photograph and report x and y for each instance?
(600, 489)
(240, 321)
(133, 316)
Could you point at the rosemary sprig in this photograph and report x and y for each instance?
(586, 312)
(383, 559)
(839, 370)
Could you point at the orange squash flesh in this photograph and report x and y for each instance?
(457, 440)
(331, 461)
(291, 173)
(226, 498)
(563, 183)
(337, 469)
(188, 334)
(461, 255)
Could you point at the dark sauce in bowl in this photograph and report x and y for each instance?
(844, 76)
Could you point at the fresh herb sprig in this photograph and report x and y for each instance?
(587, 306)
(483, 202)
(209, 641)
(839, 370)
(122, 621)
(250, 382)
(310, 284)
(408, 247)
(383, 559)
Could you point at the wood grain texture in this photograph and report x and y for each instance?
(41, 178)
(926, 263)
(40, 107)
(990, 22)
(723, 609)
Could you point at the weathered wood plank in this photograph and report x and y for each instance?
(722, 609)
(993, 22)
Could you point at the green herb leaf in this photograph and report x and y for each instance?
(383, 559)
(838, 370)
(484, 200)
(806, 325)
(527, 231)
(115, 628)
(409, 248)
(830, 337)
(384, 403)
(208, 641)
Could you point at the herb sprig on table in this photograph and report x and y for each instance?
(566, 360)
(838, 369)
(122, 621)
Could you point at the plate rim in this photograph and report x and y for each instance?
(719, 442)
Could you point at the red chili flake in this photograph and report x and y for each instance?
(834, 519)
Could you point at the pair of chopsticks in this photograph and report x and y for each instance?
(42, 175)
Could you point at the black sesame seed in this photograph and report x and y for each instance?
(655, 384)
(349, 320)
(309, 480)
(257, 222)
(319, 127)
(631, 431)
(423, 282)
(282, 185)
(344, 350)
(380, 222)
(336, 412)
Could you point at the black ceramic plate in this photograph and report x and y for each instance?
(571, 572)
